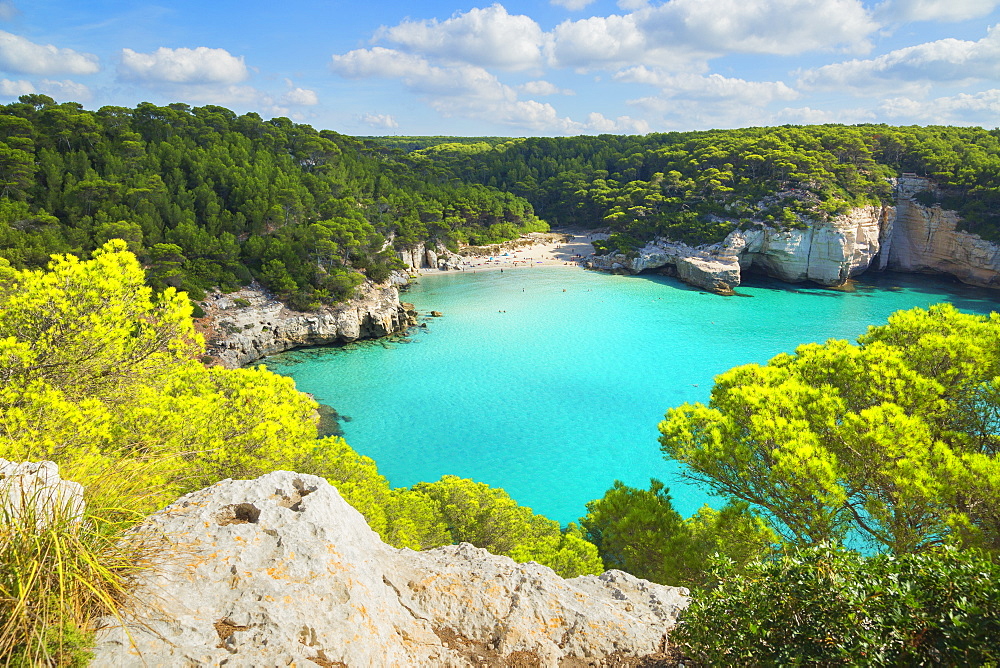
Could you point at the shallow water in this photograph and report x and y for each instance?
(550, 382)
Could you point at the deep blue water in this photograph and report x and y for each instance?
(550, 382)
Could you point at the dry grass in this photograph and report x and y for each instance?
(62, 570)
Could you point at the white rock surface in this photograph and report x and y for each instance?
(280, 570)
(927, 240)
(238, 334)
(38, 487)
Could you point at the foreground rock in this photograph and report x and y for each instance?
(33, 492)
(244, 326)
(281, 570)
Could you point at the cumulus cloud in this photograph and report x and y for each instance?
(381, 121)
(981, 108)
(682, 34)
(934, 10)
(711, 87)
(183, 66)
(66, 90)
(300, 97)
(7, 10)
(543, 88)
(18, 88)
(912, 69)
(23, 56)
(572, 5)
(469, 91)
(489, 37)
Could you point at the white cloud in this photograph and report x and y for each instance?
(981, 108)
(711, 87)
(779, 27)
(810, 116)
(381, 121)
(572, 5)
(23, 56)
(183, 66)
(912, 69)
(489, 37)
(543, 88)
(18, 88)
(934, 10)
(681, 35)
(66, 90)
(300, 97)
(469, 91)
(600, 41)
(7, 10)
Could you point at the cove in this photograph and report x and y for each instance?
(550, 382)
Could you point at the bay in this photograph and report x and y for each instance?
(550, 382)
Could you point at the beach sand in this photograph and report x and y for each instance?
(548, 249)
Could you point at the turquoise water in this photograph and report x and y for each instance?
(550, 382)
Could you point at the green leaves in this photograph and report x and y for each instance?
(826, 607)
(893, 440)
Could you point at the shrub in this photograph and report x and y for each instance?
(827, 607)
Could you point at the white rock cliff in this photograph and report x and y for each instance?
(242, 332)
(282, 571)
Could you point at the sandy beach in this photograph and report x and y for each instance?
(541, 249)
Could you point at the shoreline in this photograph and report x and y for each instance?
(552, 250)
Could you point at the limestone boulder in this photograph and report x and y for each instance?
(281, 570)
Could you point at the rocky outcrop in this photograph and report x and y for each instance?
(926, 239)
(34, 492)
(421, 257)
(706, 268)
(244, 326)
(827, 253)
(282, 571)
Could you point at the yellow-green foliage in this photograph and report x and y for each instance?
(488, 517)
(894, 439)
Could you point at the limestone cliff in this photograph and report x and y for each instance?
(927, 240)
(244, 326)
(282, 571)
(827, 253)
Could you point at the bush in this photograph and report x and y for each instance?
(827, 607)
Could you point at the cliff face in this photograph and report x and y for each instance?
(282, 571)
(238, 334)
(926, 240)
(909, 237)
(827, 253)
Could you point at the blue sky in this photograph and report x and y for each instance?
(562, 67)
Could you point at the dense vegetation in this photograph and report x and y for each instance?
(698, 186)
(100, 374)
(891, 444)
(207, 198)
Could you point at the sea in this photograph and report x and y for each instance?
(550, 381)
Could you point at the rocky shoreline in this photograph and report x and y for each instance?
(244, 326)
(908, 237)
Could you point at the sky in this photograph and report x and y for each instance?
(517, 68)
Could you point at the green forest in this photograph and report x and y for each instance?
(696, 187)
(112, 221)
(207, 198)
